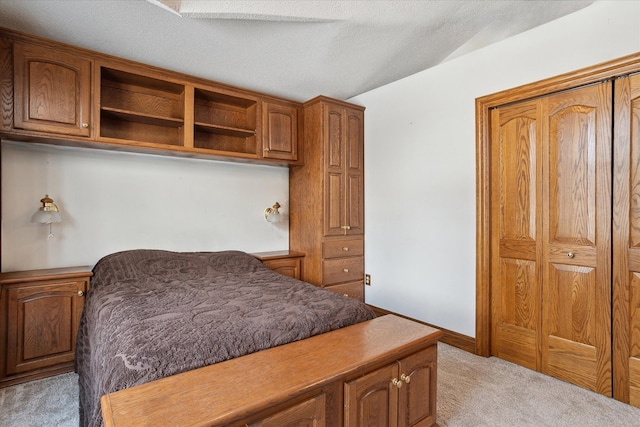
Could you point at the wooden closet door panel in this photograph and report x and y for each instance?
(626, 238)
(576, 320)
(334, 171)
(515, 275)
(354, 176)
(334, 207)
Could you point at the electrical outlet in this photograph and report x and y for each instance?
(367, 279)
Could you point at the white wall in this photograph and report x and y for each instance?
(112, 201)
(420, 158)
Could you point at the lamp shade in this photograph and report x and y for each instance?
(48, 212)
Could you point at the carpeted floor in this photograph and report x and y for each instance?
(51, 402)
(472, 392)
(477, 391)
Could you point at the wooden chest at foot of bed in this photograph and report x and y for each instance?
(385, 367)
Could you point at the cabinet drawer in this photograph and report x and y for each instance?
(291, 267)
(343, 248)
(341, 270)
(353, 290)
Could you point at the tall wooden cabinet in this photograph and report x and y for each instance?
(559, 214)
(327, 197)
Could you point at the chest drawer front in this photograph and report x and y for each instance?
(342, 270)
(353, 290)
(343, 248)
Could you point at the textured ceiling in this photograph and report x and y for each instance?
(294, 49)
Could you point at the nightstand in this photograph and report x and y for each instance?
(39, 316)
(289, 263)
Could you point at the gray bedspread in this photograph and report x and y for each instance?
(150, 314)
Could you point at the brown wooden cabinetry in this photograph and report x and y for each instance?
(289, 263)
(226, 122)
(137, 108)
(52, 90)
(310, 412)
(328, 190)
(39, 317)
(54, 93)
(280, 129)
(394, 395)
(344, 377)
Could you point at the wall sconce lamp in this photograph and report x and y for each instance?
(272, 214)
(47, 214)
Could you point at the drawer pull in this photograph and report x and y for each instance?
(346, 249)
(571, 254)
(346, 227)
(346, 270)
(345, 295)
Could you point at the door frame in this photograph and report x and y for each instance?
(604, 71)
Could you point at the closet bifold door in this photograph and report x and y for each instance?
(626, 240)
(551, 235)
(576, 295)
(517, 233)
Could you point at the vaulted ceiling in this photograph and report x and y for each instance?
(293, 49)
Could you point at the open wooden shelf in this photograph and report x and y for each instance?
(116, 104)
(135, 107)
(225, 123)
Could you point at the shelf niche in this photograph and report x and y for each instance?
(140, 108)
(225, 123)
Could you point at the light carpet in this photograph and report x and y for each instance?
(472, 391)
(478, 391)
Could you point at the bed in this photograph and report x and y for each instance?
(150, 314)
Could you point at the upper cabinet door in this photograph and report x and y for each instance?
(280, 130)
(334, 135)
(354, 168)
(344, 167)
(52, 90)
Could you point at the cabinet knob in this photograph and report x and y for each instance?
(346, 249)
(346, 270)
(345, 295)
(405, 378)
(85, 125)
(346, 227)
(396, 382)
(80, 293)
(571, 254)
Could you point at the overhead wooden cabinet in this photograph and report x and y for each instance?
(52, 90)
(327, 197)
(280, 129)
(60, 94)
(560, 213)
